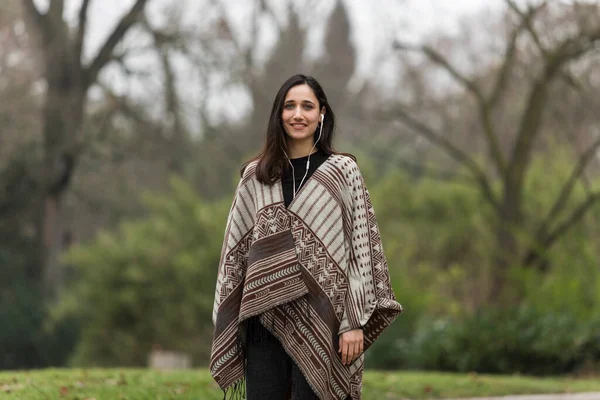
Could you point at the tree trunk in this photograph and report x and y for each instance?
(507, 246)
(67, 83)
(51, 233)
(63, 116)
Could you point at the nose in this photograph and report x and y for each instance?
(297, 113)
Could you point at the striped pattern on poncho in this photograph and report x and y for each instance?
(324, 253)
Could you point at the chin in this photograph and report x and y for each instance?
(300, 136)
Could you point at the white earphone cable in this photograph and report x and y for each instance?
(307, 161)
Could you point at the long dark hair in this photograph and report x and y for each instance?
(272, 160)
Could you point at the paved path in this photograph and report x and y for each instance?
(572, 396)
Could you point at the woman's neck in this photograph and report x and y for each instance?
(301, 149)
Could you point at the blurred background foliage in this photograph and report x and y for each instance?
(479, 147)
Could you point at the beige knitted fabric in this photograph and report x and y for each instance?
(323, 253)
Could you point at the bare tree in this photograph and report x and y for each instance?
(337, 66)
(555, 55)
(229, 144)
(68, 80)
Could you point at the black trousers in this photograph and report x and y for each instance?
(270, 373)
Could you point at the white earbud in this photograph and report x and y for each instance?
(322, 117)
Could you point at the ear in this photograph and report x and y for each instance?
(323, 110)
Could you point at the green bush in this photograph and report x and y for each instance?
(439, 240)
(523, 341)
(149, 284)
(25, 340)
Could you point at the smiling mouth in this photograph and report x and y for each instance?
(297, 126)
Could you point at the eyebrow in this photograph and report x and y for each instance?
(303, 101)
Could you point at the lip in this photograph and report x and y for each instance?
(298, 126)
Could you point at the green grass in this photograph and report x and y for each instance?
(138, 384)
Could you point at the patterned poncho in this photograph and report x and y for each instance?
(323, 253)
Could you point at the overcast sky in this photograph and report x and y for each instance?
(369, 18)
(371, 21)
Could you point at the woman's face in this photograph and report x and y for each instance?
(300, 113)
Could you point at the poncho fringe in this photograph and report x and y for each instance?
(308, 272)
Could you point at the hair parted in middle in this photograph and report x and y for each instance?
(272, 161)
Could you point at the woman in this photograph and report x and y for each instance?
(303, 286)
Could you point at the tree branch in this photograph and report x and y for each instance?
(528, 130)
(571, 49)
(484, 110)
(527, 18)
(534, 256)
(32, 10)
(81, 29)
(542, 235)
(115, 37)
(440, 60)
(510, 54)
(453, 151)
(571, 138)
(567, 189)
(246, 55)
(55, 10)
(40, 21)
(172, 101)
(529, 127)
(536, 38)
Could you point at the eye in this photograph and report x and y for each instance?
(308, 107)
(289, 106)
